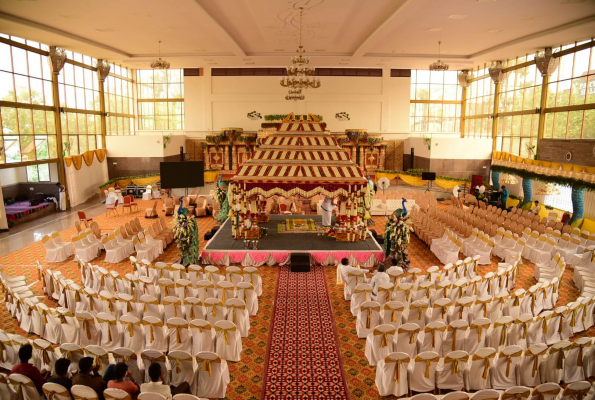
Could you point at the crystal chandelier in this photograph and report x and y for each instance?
(160, 64)
(300, 74)
(439, 65)
(295, 95)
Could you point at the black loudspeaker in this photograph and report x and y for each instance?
(428, 176)
(215, 229)
(374, 233)
(131, 190)
(412, 161)
(208, 235)
(181, 153)
(300, 262)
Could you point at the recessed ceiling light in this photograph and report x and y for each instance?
(141, 15)
(529, 17)
(494, 30)
(104, 30)
(320, 50)
(165, 28)
(457, 16)
(572, 1)
(433, 29)
(279, 50)
(70, 16)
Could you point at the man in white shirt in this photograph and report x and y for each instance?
(536, 209)
(345, 269)
(380, 277)
(156, 385)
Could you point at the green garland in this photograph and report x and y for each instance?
(126, 178)
(559, 180)
(418, 172)
(186, 234)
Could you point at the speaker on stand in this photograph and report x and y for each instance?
(300, 262)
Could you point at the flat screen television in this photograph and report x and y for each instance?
(179, 174)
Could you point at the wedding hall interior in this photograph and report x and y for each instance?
(297, 199)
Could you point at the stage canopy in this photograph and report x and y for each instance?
(299, 159)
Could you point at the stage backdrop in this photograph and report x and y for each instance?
(84, 174)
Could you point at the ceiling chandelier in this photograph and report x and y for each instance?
(160, 64)
(439, 65)
(300, 74)
(295, 95)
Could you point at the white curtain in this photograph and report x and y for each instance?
(84, 183)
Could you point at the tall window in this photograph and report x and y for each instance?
(480, 105)
(435, 101)
(570, 91)
(520, 96)
(160, 99)
(562, 201)
(79, 95)
(119, 101)
(26, 114)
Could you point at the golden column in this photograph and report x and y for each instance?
(57, 59)
(547, 64)
(103, 69)
(498, 75)
(464, 77)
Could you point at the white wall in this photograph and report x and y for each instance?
(420, 146)
(461, 149)
(379, 104)
(10, 176)
(135, 146)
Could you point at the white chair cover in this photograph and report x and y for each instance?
(155, 334)
(476, 337)
(531, 366)
(149, 357)
(391, 375)
(380, 343)
(182, 366)
(422, 372)
(237, 313)
(101, 357)
(179, 335)
(361, 294)
(249, 295)
(452, 370)
(406, 339)
(131, 359)
(203, 336)
(391, 313)
(430, 339)
(455, 336)
(252, 276)
(504, 373)
(133, 335)
(110, 332)
(480, 369)
(212, 376)
(228, 343)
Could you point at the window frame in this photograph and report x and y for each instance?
(37, 173)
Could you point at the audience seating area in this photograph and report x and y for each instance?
(192, 322)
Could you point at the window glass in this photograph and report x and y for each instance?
(435, 101)
(160, 99)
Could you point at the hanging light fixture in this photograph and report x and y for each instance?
(300, 74)
(439, 65)
(509, 180)
(548, 190)
(295, 95)
(160, 63)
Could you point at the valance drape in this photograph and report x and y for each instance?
(83, 178)
(87, 156)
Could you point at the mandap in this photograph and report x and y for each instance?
(300, 158)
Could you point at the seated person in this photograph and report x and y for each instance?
(61, 376)
(88, 376)
(345, 269)
(156, 385)
(29, 370)
(275, 208)
(380, 277)
(536, 209)
(129, 386)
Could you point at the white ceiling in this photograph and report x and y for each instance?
(349, 33)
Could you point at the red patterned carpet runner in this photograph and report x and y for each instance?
(304, 360)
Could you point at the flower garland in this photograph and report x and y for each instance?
(186, 234)
(221, 196)
(397, 236)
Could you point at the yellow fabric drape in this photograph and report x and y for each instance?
(447, 184)
(87, 156)
(389, 176)
(412, 180)
(150, 180)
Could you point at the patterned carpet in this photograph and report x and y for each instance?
(303, 358)
(248, 374)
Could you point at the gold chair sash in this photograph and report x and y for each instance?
(368, 311)
(528, 352)
(580, 394)
(175, 304)
(454, 335)
(561, 357)
(412, 334)
(68, 353)
(234, 308)
(86, 325)
(509, 358)
(45, 352)
(433, 331)
(541, 395)
(206, 364)
(420, 309)
(51, 394)
(479, 329)
(225, 332)
(455, 366)
(524, 327)
(178, 328)
(506, 396)
(152, 360)
(152, 328)
(428, 362)
(179, 363)
(19, 387)
(130, 328)
(504, 333)
(201, 328)
(109, 325)
(486, 365)
(580, 347)
(397, 372)
(154, 302)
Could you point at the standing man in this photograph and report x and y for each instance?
(62, 198)
(327, 211)
(504, 197)
(537, 208)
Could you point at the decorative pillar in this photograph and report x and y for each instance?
(354, 153)
(496, 179)
(234, 157)
(578, 205)
(527, 191)
(103, 69)
(225, 156)
(498, 75)
(547, 64)
(381, 163)
(207, 156)
(464, 77)
(362, 156)
(57, 59)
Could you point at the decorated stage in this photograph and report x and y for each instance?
(276, 247)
